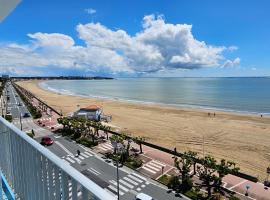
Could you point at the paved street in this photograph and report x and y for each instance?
(90, 163)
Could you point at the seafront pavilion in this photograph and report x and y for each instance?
(30, 171)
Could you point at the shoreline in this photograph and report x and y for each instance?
(186, 107)
(241, 138)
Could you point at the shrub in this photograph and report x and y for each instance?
(194, 194)
(234, 198)
(87, 142)
(174, 183)
(133, 162)
(164, 179)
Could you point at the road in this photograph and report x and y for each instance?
(90, 163)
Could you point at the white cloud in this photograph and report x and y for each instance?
(90, 11)
(232, 48)
(232, 63)
(253, 68)
(158, 46)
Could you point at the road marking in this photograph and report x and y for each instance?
(69, 159)
(139, 176)
(120, 186)
(81, 157)
(84, 155)
(134, 178)
(145, 168)
(75, 158)
(151, 167)
(242, 182)
(156, 165)
(93, 171)
(114, 189)
(102, 148)
(87, 153)
(126, 184)
(64, 148)
(131, 181)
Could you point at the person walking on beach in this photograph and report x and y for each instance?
(214, 114)
(78, 153)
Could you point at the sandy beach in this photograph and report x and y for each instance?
(243, 139)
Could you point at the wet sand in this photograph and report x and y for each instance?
(244, 139)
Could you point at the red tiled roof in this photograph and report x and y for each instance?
(92, 107)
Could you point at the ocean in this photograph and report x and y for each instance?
(245, 95)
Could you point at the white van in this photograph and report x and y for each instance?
(142, 196)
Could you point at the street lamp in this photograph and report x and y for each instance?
(21, 120)
(118, 148)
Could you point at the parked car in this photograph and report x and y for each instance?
(19, 104)
(46, 141)
(142, 196)
(25, 115)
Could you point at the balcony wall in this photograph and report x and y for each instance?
(33, 172)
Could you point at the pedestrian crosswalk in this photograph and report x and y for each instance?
(45, 119)
(17, 122)
(71, 159)
(106, 147)
(153, 166)
(132, 181)
(93, 171)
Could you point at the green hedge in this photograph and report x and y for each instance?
(164, 179)
(133, 163)
(87, 142)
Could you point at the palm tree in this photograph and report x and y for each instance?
(138, 140)
(183, 164)
(106, 129)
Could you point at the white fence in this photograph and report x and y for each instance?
(34, 173)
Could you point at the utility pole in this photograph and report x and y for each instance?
(117, 174)
(21, 120)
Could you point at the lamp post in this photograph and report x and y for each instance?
(117, 149)
(21, 121)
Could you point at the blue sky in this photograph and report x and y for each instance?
(137, 38)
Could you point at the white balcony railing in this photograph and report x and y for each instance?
(33, 172)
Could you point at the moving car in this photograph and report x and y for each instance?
(142, 196)
(25, 115)
(46, 141)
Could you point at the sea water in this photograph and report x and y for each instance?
(251, 95)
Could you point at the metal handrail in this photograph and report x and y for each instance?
(89, 185)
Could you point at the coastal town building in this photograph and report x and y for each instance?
(92, 112)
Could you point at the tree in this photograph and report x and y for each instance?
(183, 164)
(106, 129)
(224, 168)
(207, 172)
(119, 144)
(138, 140)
